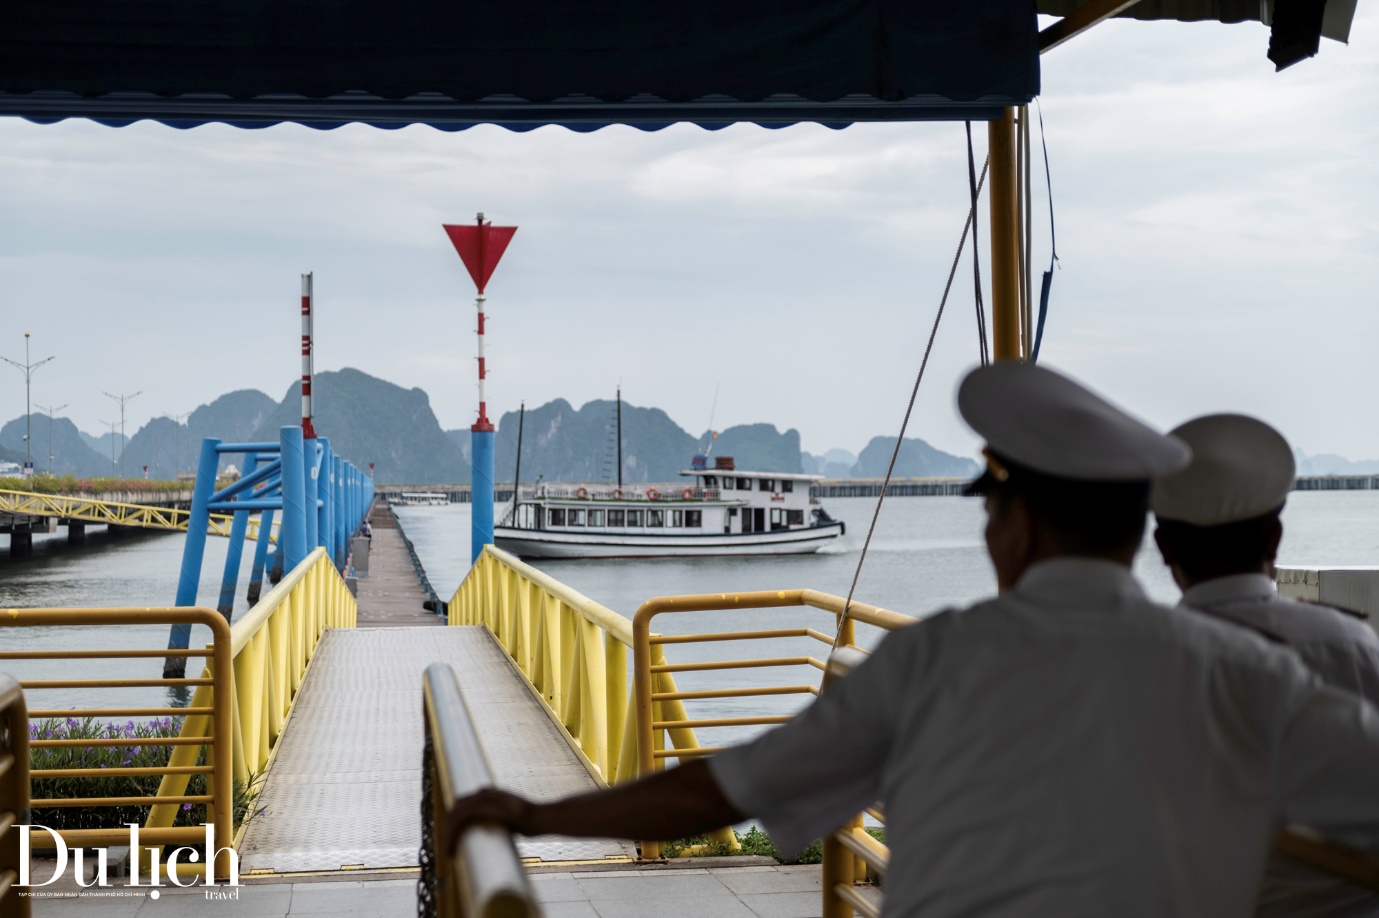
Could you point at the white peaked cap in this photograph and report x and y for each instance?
(1241, 468)
(1046, 422)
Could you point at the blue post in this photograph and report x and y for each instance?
(292, 545)
(481, 526)
(260, 556)
(311, 458)
(325, 526)
(230, 579)
(193, 551)
(339, 549)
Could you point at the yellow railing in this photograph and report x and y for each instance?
(660, 707)
(93, 510)
(209, 705)
(573, 653)
(237, 711)
(270, 647)
(14, 792)
(483, 878)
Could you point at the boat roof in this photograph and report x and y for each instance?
(741, 473)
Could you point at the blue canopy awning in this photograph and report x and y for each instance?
(520, 63)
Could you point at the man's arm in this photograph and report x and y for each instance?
(675, 803)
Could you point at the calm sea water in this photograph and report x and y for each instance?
(926, 555)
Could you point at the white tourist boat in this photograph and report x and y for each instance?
(715, 511)
(422, 499)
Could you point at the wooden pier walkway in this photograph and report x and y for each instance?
(391, 594)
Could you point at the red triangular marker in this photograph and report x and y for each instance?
(480, 246)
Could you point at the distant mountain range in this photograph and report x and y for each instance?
(371, 420)
(1331, 464)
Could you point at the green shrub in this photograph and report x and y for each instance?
(753, 842)
(134, 753)
(70, 485)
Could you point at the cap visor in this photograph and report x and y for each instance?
(980, 485)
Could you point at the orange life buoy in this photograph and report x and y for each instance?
(687, 494)
(617, 493)
(652, 494)
(581, 493)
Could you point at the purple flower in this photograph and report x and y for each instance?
(186, 807)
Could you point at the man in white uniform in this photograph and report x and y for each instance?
(1067, 748)
(1219, 532)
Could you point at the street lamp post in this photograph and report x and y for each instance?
(112, 425)
(123, 442)
(176, 442)
(50, 411)
(28, 370)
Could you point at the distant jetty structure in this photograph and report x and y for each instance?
(871, 487)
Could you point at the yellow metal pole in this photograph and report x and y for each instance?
(838, 870)
(1005, 245)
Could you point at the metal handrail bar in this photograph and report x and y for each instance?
(212, 704)
(722, 721)
(737, 692)
(736, 664)
(14, 792)
(484, 875)
(129, 654)
(740, 636)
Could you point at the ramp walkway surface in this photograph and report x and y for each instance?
(344, 791)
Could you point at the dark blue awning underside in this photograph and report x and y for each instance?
(519, 64)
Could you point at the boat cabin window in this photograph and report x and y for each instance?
(794, 517)
(575, 516)
(557, 516)
(777, 518)
(710, 481)
(616, 518)
(677, 519)
(786, 486)
(768, 484)
(634, 518)
(655, 518)
(595, 517)
(744, 484)
(694, 519)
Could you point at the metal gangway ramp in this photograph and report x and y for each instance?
(344, 789)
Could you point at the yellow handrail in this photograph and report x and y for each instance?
(661, 709)
(211, 704)
(14, 792)
(270, 649)
(572, 652)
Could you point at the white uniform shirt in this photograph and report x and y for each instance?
(1070, 748)
(1344, 652)
(1340, 648)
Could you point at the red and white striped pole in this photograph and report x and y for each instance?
(483, 423)
(308, 432)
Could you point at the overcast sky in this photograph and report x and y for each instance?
(1218, 225)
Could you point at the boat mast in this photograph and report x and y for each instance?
(619, 438)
